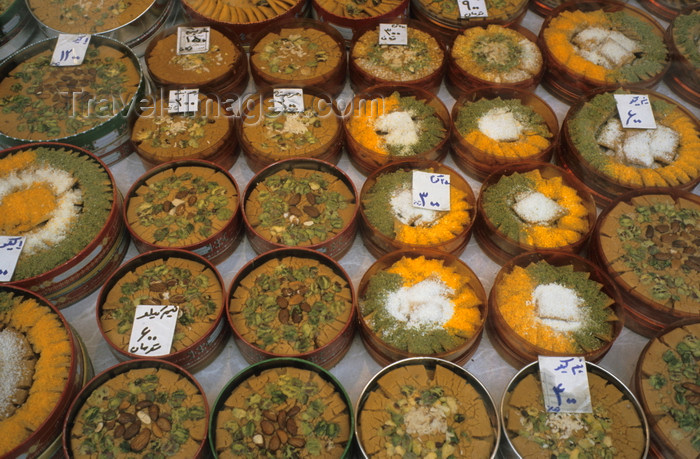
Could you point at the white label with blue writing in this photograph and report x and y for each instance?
(153, 329)
(431, 191)
(472, 8)
(70, 50)
(183, 100)
(565, 384)
(192, 40)
(393, 34)
(288, 100)
(635, 111)
(10, 248)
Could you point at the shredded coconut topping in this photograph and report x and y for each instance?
(400, 128)
(402, 206)
(648, 148)
(501, 125)
(608, 48)
(535, 208)
(14, 369)
(426, 304)
(558, 307)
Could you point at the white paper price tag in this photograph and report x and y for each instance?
(192, 40)
(183, 100)
(70, 50)
(472, 8)
(153, 329)
(393, 34)
(10, 248)
(565, 384)
(635, 111)
(431, 191)
(288, 100)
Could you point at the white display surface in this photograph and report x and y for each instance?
(357, 367)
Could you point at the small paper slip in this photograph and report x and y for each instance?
(472, 8)
(635, 111)
(153, 329)
(393, 34)
(10, 248)
(431, 191)
(565, 384)
(288, 100)
(192, 40)
(70, 50)
(183, 100)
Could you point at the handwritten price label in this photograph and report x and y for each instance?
(635, 111)
(472, 8)
(183, 100)
(565, 384)
(70, 50)
(393, 34)
(153, 330)
(431, 191)
(288, 100)
(192, 40)
(10, 248)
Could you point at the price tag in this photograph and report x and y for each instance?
(635, 111)
(153, 329)
(431, 191)
(183, 100)
(288, 100)
(70, 50)
(10, 248)
(393, 34)
(472, 8)
(192, 40)
(565, 384)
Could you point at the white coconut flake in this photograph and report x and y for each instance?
(402, 205)
(501, 125)
(664, 144)
(608, 48)
(535, 208)
(558, 307)
(425, 305)
(637, 149)
(11, 366)
(400, 128)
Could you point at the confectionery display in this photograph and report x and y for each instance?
(307, 413)
(250, 205)
(615, 427)
(390, 221)
(37, 99)
(666, 383)
(299, 53)
(164, 278)
(419, 62)
(400, 413)
(291, 304)
(268, 135)
(494, 56)
(79, 17)
(138, 408)
(181, 205)
(222, 68)
(553, 305)
(160, 136)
